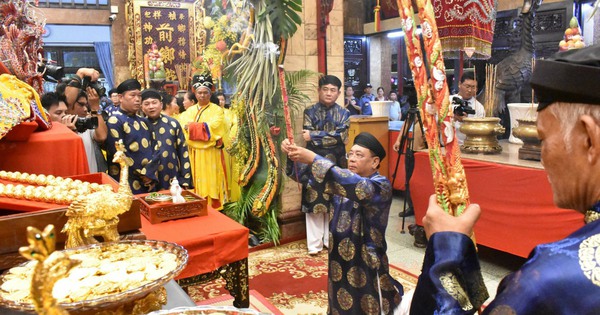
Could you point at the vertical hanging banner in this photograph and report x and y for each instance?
(162, 34)
(466, 23)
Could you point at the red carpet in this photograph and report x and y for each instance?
(290, 279)
(257, 303)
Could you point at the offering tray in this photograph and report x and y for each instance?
(207, 309)
(148, 291)
(159, 207)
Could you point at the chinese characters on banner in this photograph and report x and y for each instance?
(168, 28)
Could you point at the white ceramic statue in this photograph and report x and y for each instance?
(176, 191)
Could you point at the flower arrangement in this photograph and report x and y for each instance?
(224, 32)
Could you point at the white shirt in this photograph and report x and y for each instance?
(88, 143)
(479, 113)
(395, 111)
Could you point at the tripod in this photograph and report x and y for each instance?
(406, 146)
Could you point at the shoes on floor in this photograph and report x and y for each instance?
(412, 228)
(407, 213)
(314, 252)
(419, 233)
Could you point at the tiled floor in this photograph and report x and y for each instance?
(402, 253)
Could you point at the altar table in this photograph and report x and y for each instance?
(517, 209)
(217, 246)
(57, 151)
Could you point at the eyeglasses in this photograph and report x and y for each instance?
(356, 155)
(82, 103)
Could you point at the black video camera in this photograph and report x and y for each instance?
(84, 123)
(100, 89)
(462, 108)
(50, 72)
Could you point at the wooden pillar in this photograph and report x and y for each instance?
(323, 9)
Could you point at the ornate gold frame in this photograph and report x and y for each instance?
(197, 33)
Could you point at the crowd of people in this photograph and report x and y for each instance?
(347, 201)
(557, 278)
(166, 137)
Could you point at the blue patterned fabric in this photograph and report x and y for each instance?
(137, 136)
(173, 155)
(558, 278)
(328, 128)
(359, 279)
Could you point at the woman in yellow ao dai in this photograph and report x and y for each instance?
(206, 155)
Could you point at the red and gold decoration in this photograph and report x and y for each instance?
(21, 32)
(19, 103)
(465, 25)
(433, 102)
(573, 38)
(171, 26)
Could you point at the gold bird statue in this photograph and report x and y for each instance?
(51, 266)
(96, 214)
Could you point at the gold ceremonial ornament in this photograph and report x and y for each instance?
(117, 278)
(481, 135)
(96, 214)
(532, 146)
(46, 188)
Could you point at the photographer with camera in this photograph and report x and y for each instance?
(83, 105)
(90, 127)
(465, 104)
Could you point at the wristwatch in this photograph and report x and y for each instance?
(94, 112)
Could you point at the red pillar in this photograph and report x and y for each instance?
(323, 9)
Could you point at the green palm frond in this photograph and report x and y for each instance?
(297, 83)
(240, 209)
(270, 231)
(284, 16)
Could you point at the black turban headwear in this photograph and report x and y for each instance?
(569, 76)
(151, 93)
(330, 79)
(129, 85)
(202, 80)
(367, 140)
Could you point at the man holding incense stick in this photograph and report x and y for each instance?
(560, 277)
(359, 278)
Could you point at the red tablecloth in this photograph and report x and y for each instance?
(517, 209)
(58, 151)
(212, 241)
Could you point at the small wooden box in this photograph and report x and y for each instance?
(164, 211)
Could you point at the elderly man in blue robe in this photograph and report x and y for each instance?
(359, 278)
(560, 277)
